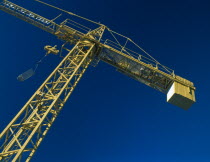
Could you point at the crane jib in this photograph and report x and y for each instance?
(28, 16)
(25, 132)
(155, 77)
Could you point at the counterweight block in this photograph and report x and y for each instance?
(181, 95)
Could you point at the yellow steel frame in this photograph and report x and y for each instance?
(26, 131)
(21, 138)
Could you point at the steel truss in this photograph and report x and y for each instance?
(26, 131)
(21, 138)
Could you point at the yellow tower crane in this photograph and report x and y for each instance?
(23, 135)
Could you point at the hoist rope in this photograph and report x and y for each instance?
(38, 62)
(112, 33)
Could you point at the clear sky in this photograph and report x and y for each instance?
(110, 117)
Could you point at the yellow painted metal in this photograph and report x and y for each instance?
(26, 131)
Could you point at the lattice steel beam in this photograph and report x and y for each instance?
(26, 131)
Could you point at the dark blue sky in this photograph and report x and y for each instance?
(110, 117)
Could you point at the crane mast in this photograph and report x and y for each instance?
(28, 128)
(22, 136)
